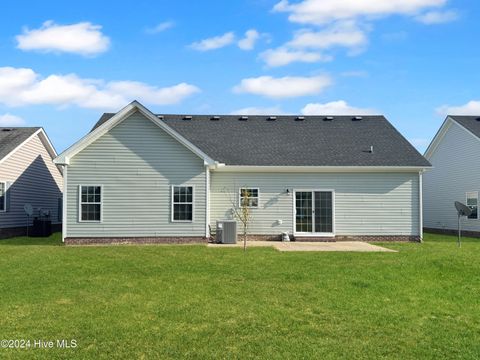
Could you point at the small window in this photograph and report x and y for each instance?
(249, 197)
(472, 203)
(91, 203)
(182, 203)
(3, 196)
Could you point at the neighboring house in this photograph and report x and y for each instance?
(27, 176)
(143, 177)
(455, 156)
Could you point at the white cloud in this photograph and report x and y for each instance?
(11, 120)
(248, 42)
(470, 108)
(339, 107)
(325, 11)
(160, 27)
(82, 38)
(214, 42)
(343, 34)
(309, 45)
(274, 110)
(284, 87)
(283, 56)
(22, 86)
(438, 17)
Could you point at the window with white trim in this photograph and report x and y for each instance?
(90, 203)
(3, 196)
(472, 203)
(249, 197)
(182, 203)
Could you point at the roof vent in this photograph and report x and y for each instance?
(328, 118)
(160, 117)
(478, 119)
(272, 118)
(243, 118)
(216, 118)
(357, 118)
(7, 129)
(300, 118)
(187, 117)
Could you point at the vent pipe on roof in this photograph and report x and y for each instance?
(215, 118)
(328, 118)
(300, 118)
(187, 117)
(357, 118)
(243, 118)
(272, 118)
(160, 117)
(371, 149)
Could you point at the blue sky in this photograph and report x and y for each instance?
(63, 64)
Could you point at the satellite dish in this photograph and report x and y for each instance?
(28, 209)
(462, 210)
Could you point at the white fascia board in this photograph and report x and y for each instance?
(64, 158)
(438, 137)
(19, 146)
(325, 169)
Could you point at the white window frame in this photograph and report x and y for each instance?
(294, 213)
(94, 203)
(4, 196)
(466, 202)
(172, 203)
(249, 188)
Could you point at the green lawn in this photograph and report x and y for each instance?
(195, 302)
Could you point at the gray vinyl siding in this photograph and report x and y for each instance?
(136, 163)
(34, 179)
(365, 203)
(456, 170)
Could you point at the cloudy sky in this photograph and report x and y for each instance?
(62, 64)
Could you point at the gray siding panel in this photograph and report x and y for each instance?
(456, 170)
(136, 163)
(34, 179)
(365, 203)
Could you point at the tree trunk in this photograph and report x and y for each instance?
(244, 238)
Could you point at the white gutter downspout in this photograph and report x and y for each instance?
(420, 194)
(207, 201)
(64, 205)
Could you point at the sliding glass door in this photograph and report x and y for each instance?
(314, 212)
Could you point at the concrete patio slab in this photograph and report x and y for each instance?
(352, 246)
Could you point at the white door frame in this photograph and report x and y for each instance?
(312, 234)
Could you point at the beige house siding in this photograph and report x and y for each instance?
(33, 179)
(136, 163)
(365, 203)
(456, 170)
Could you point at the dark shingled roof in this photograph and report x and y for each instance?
(11, 137)
(294, 141)
(471, 123)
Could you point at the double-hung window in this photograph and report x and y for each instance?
(90, 203)
(472, 203)
(182, 203)
(249, 197)
(3, 196)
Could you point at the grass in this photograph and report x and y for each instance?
(130, 302)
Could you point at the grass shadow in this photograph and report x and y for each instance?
(430, 237)
(54, 240)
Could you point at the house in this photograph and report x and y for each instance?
(143, 177)
(455, 176)
(27, 176)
